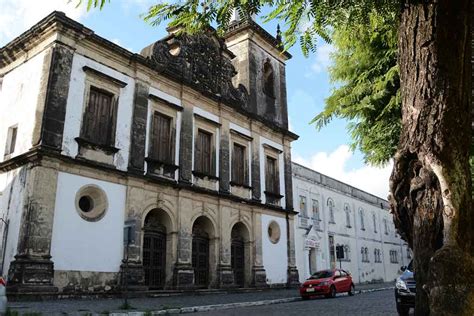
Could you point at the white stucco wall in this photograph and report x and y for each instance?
(18, 101)
(12, 196)
(75, 108)
(81, 245)
(275, 258)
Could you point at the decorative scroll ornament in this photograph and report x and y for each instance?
(200, 60)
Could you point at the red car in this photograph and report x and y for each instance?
(327, 283)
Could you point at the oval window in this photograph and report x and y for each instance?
(274, 232)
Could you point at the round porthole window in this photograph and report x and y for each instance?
(91, 203)
(274, 232)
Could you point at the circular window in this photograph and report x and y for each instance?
(274, 232)
(91, 203)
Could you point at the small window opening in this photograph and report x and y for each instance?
(268, 80)
(86, 204)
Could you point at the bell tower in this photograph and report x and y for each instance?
(260, 65)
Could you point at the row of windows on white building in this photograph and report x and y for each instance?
(377, 254)
(316, 217)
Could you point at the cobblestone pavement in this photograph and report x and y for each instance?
(366, 304)
(105, 306)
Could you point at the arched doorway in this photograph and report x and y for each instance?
(239, 237)
(202, 232)
(154, 248)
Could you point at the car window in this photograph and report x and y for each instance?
(343, 273)
(337, 273)
(322, 274)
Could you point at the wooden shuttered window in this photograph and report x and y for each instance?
(239, 170)
(272, 178)
(100, 117)
(203, 157)
(161, 138)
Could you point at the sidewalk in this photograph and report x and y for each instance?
(169, 304)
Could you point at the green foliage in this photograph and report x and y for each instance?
(366, 75)
(93, 3)
(302, 21)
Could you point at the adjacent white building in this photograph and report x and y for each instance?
(332, 213)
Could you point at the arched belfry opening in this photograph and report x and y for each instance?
(240, 254)
(156, 227)
(268, 79)
(202, 250)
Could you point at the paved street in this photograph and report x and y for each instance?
(374, 303)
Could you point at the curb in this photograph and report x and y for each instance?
(206, 308)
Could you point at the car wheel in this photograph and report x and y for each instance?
(304, 298)
(332, 292)
(403, 310)
(352, 290)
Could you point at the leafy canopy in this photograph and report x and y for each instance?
(366, 75)
(303, 21)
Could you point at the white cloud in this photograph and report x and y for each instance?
(16, 16)
(323, 58)
(370, 179)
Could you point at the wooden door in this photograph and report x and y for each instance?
(238, 261)
(200, 258)
(154, 259)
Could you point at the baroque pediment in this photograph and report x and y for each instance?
(201, 61)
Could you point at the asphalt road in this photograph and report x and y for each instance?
(374, 303)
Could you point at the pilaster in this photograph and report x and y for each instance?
(33, 269)
(139, 122)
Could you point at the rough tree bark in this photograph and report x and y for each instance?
(430, 183)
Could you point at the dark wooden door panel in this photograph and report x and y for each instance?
(238, 262)
(154, 259)
(200, 258)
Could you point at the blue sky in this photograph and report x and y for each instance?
(307, 81)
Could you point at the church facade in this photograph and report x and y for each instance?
(170, 168)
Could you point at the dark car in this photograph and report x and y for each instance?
(405, 290)
(327, 283)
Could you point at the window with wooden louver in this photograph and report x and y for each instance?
(239, 170)
(271, 176)
(161, 138)
(100, 117)
(203, 150)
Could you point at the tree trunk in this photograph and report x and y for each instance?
(431, 183)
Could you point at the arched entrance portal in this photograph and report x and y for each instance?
(154, 248)
(202, 232)
(239, 237)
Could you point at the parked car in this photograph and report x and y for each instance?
(3, 296)
(327, 283)
(405, 290)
